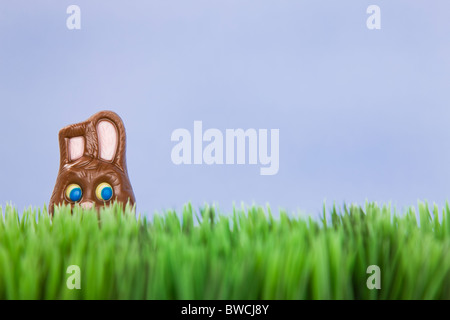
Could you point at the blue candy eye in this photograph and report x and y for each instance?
(74, 193)
(104, 191)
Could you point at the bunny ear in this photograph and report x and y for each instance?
(74, 143)
(111, 138)
(76, 148)
(107, 140)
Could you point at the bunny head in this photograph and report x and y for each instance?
(93, 168)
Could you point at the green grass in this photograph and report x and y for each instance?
(247, 254)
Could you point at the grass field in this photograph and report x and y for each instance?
(246, 254)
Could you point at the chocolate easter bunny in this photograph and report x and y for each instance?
(93, 167)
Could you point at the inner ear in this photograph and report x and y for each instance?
(76, 148)
(107, 140)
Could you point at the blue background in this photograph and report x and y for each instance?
(363, 114)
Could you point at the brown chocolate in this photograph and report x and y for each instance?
(93, 168)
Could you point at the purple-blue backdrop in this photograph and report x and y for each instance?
(363, 114)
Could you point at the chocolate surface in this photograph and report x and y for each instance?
(93, 168)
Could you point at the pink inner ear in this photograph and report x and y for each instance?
(76, 148)
(107, 140)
